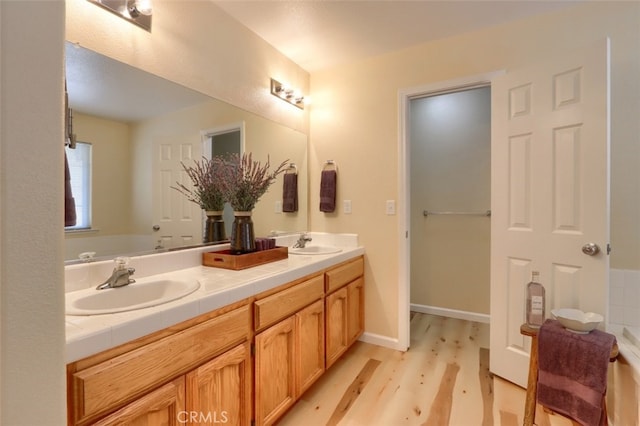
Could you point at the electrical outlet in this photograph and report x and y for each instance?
(391, 207)
(346, 206)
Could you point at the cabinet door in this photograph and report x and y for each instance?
(220, 390)
(163, 406)
(355, 304)
(275, 371)
(309, 334)
(336, 325)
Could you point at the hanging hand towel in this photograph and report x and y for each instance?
(290, 193)
(69, 201)
(328, 191)
(572, 372)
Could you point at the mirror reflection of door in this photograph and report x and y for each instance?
(224, 141)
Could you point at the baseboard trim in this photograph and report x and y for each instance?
(394, 343)
(451, 313)
(380, 340)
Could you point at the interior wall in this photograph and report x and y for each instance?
(32, 335)
(450, 171)
(196, 44)
(355, 122)
(111, 171)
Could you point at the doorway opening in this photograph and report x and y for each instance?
(441, 99)
(221, 141)
(450, 184)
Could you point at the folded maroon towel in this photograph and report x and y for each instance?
(328, 181)
(572, 372)
(69, 201)
(290, 193)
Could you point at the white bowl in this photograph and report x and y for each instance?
(577, 321)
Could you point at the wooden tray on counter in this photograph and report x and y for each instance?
(224, 259)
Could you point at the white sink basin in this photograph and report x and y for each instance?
(315, 250)
(138, 295)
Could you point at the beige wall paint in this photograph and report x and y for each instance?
(355, 122)
(196, 44)
(111, 173)
(32, 372)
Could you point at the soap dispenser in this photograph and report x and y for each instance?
(535, 308)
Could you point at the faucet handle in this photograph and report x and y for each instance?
(121, 262)
(87, 256)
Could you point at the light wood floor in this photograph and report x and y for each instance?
(443, 379)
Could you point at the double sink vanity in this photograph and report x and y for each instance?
(212, 345)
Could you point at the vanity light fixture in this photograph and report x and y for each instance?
(135, 11)
(287, 94)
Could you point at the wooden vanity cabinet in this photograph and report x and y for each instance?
(309, 340)
(344, 308)
(275, 371)
(289, 354)
(163, 406)
(204, 368)
(203, 371)
(220, 390)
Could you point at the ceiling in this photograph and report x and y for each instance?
(104, 87)
(318, 34)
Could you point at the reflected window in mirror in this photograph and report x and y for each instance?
(79, 160)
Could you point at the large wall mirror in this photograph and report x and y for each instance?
(139, 128)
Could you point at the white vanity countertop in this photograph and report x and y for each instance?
(88, 335)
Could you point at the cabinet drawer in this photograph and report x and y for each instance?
(286, 302)
(344, 274)
(98, 389)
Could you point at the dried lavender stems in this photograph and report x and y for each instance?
(234, 178)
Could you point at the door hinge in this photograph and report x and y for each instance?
(253, 422)
(608, 248)
(253, 349)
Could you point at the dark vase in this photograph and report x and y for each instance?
(242, 237)
(214, 227)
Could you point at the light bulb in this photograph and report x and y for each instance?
(139, 7)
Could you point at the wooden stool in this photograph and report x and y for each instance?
(532, 382)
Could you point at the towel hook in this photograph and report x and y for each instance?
(292, 169)
(330, 163)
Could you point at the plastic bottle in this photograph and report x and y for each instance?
(535, 309)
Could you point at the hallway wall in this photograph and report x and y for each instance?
(450, 171)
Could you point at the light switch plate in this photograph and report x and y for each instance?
(346, 206)
(278, 207)
(391, 207)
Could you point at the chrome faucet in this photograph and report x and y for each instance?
(302, 241)
(120, 276)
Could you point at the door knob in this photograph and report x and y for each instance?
(156, 227)
(590, 249)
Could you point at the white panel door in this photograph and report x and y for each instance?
(550, 194)
(179, 220)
